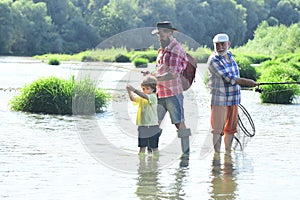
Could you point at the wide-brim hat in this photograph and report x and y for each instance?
(163, 25)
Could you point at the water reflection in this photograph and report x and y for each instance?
(180, 178)
(151, 183)
(223, 180)
(148, 186)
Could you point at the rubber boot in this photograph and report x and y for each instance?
(185, 140)
(228, 141)
(217, 139)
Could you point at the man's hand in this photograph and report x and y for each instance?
(165, 77)
(145, 73)
(247, 82)
(251, 83)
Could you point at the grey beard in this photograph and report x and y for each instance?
(164, 43)
(223, 53)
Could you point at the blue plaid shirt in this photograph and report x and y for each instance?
(222, 80)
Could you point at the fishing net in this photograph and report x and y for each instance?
(246, 129)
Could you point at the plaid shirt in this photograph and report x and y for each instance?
(222, 80)
(171, 60)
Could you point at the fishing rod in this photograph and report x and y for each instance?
(260, 90)
(278, 83)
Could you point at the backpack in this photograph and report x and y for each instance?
(188, 74)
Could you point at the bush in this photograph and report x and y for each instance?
(254, 58)
(274, 40)
(53, 61)
(150, 55)
(295, 65)
(292, 58)
(140, 62)
(59, 96)
(257, 59)
(89, 58)
(246, 70)
(122, 58)
(279, 93)
(201, 54)
(288, 57)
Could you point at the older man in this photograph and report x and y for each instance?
(224, 84)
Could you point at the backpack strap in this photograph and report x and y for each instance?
(169, 50)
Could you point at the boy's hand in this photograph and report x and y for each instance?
(130, 88)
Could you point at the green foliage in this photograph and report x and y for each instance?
(245, 68)
(54, 61)
(284, 7)
(122, 58)
(288, 57)
(279, 93)
(61, 57)
(32, 27)
(292, 58)
(88, 58)
(140, 62)
(274, 40)
(150, 55)
(210, 21)
(87, 99)
(59, 96)
(33, 30)
(6, 27)
(107, 55)
(254, 58)
(201, 54)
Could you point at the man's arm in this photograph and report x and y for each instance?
(246, 81)
(166, 76)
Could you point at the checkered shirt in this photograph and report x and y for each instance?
(175, 61)
(222, 80)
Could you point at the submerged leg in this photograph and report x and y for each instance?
(228, 141)
(217, 139)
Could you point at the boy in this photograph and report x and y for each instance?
(146, 120)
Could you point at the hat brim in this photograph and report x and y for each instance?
(218, 41)
(155, 31)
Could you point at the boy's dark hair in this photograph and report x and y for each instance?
(150, 81)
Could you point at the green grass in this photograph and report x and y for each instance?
(53, 95)
(279, 93)
(53, 61)
(140, 62)
(107, 55)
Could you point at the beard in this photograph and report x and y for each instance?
(222, 53)
(164, 43)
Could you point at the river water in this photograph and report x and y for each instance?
(95, 157)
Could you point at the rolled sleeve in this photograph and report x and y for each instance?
(228, 77)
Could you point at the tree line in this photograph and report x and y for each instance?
(29, 27)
